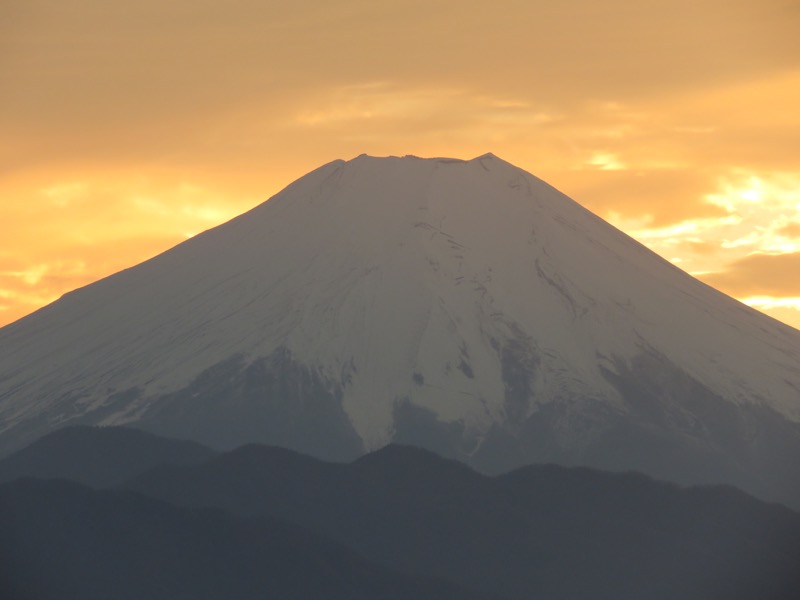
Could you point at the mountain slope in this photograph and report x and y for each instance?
(463, 306)
(538, 532)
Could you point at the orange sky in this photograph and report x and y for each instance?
(127, 126)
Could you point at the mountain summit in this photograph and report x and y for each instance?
(463, 306)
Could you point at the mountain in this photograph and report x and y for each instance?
(537, 532)
(62, 541)
(98, 456)
(462, 306)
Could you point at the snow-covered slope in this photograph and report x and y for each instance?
(465, 306)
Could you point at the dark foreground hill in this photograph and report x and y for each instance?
(538, 532)
(63, 541)
(98, 456)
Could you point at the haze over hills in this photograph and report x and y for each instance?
(462, 306)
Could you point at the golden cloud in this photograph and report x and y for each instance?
(760, 275)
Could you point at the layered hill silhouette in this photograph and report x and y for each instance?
(537, 532)
(98, 456)
(63, 541)
(465, 307)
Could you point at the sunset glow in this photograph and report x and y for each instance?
(128, 127)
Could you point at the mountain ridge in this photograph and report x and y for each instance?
(539, 531)
(97, 456)
(62, 540)
(267, 518)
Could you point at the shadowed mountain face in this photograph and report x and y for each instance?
(462, 306)
(63, 541)
(538, 532)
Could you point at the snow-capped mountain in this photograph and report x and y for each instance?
(464, 306)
